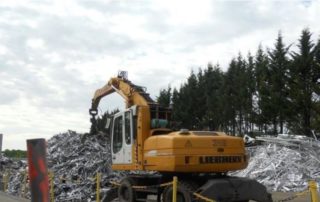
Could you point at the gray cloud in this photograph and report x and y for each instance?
(53, 56)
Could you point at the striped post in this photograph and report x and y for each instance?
(38, 173)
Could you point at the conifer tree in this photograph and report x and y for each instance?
(200, 98)
(269, 91)
(230, 97)
(303, 82)
(164, 98)
(262, 77)
(278, 67)
(315, 122)
(213, 81)
(250, 84)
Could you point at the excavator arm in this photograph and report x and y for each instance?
(132, 94)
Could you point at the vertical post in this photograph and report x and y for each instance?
(98, 187)
(51, 176)
(38, 173)
(5, 181)
(313, 191)
(24, 182)
(1, 137)
(174, 189)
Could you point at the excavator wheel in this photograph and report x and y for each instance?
(111, 195)
(184, 192)
(126, 193)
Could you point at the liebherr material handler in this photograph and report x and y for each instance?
(141, 140)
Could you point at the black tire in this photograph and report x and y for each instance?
(125, 191)
(184, 192)
(110, 195)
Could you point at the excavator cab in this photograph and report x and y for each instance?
(123, 135)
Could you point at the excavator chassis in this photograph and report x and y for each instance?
(220, 188)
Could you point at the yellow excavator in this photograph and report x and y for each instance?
(142, 141)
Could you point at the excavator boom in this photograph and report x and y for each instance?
(132, 94)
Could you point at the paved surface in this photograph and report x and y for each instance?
(7, 198)
(277, 196)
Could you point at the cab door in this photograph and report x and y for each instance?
(122, 138)
(127, 145)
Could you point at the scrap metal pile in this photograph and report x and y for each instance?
(12, 175)
(75, 159)
(283, 163)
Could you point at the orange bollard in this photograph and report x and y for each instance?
(38, 173)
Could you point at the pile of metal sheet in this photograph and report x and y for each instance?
(12, 174)
(75, 159)
(284, 163)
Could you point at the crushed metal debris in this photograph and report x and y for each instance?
(283, 163)
(75, 159)
(12, 174)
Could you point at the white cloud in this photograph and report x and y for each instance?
(55, 54)
(3, 50)
(186, 13)
(36, 43)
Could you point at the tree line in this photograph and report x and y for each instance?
(15, 153)
(276, 90)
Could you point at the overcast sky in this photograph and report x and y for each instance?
(55, 54)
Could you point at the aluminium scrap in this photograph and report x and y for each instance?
(284, 163)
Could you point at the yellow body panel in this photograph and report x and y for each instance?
(210, 152)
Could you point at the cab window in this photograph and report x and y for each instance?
(127, 127)
(117, 134)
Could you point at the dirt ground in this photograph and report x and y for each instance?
(7, 198)
(278, 196)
